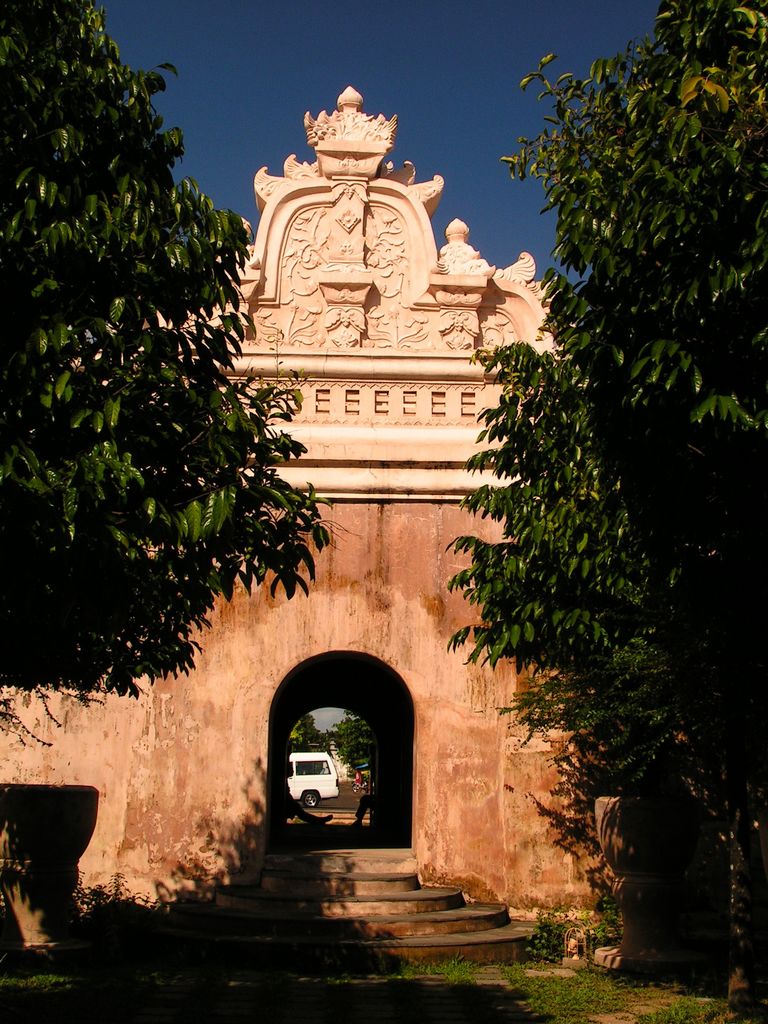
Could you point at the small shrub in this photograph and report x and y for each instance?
(547, 941)
(607, 928)
(119, 924)
(601, 928)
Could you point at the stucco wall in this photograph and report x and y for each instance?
(182, 771)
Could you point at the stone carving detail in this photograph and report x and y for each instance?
(458, 257)
(392, 326)
(295, 170)
(391, 402)
(344, 287)
(406, 174)
(429, 193)
(348, 122)
(459, 328)
(524, 271)
(306, 239)
(456, 295)
(381, 323)
(267, 330)
(413, 332)
(304, 327)
(385, 244)
(345, 326)
(345, 244)
(264, 185)
(497, 329)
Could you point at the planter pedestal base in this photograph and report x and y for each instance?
(38, 952)
(647, 844)
(43, 832)
(655, 961)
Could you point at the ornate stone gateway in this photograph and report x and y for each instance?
(347, 288)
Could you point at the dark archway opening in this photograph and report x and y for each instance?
(375, 693)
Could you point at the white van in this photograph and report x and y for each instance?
(312, 777)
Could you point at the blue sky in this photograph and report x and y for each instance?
(450, 70)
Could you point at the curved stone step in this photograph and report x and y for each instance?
(312, 862)
(337, 884)
(360, 909)
(223, 921)
(497, 945)
(257, 901)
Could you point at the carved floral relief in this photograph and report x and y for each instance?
(268, 331)
(393, 326)
(385, 250)
(306, 238)
(413, 332)
(304, 327)
(459, 328)
(345, 326)
(497, 329)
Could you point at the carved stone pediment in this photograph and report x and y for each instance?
(345, 255)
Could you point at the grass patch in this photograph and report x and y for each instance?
(456, 971)
(591, 993)
(573, 999)
(690, 1010)
(62, 997)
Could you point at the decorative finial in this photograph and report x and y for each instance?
(457, 231)
(350, 99)
(457, 256)
(348, 142)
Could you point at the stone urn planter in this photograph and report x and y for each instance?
(648, 843)
(44, 830)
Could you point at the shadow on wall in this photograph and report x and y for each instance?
(226, 849)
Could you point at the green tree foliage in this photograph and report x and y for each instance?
(354, 739)
(138, 478)
(633, 493)
(306, 736)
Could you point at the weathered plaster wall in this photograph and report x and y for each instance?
(182, 772)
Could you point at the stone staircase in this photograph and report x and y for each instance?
(358, 909)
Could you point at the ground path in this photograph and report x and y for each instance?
(250, 997)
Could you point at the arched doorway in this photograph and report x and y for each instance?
(372, 690)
